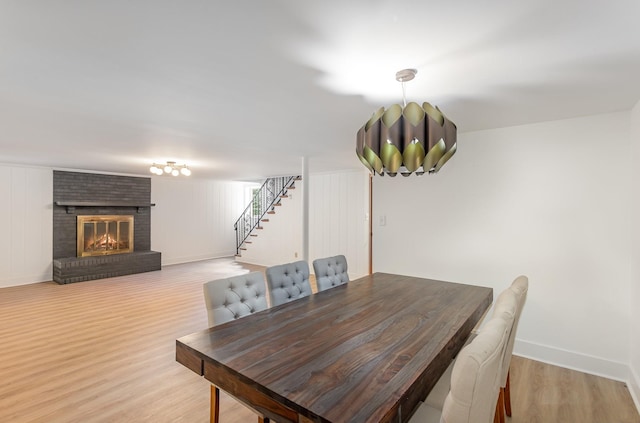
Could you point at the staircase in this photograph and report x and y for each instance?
(264, 203)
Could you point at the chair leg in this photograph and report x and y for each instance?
(496, 415)
(215, 404)
(507, 396)
(500, 407)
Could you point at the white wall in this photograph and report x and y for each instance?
(338, 206)
(634, 378)
(280, 240)
(338, 218)
(549, 200)
(193, 218)
(27, 221)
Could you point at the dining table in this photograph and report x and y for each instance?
(366, 351)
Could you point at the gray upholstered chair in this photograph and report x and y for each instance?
(475, 379)
(288, 282)
(330, 272)
(519, 287)
(229, 299)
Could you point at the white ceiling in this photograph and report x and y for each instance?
(243, 89)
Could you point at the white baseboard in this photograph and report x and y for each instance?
(26, 280)
(634, 387)
(572, 360)
(168, 261)
(249, 260)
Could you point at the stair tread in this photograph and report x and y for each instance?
(289, 183)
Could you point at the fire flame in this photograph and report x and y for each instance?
(105, 242)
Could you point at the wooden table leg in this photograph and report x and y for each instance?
(215, 404)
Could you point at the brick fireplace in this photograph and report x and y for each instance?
(108, 207)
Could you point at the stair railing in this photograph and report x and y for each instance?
(263, 201)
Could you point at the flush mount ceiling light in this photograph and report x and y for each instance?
(170, 168)
(406, 139)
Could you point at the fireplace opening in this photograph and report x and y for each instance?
(104, 234)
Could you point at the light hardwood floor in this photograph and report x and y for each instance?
(104, 351)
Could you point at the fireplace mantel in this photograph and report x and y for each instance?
(71, 205)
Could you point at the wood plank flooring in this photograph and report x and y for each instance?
(104, 351)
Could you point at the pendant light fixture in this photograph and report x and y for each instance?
(406, 139)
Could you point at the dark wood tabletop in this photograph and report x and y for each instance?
(366, 351)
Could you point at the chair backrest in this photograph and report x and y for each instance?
(475, 375)
(519, 288)
(288, 282)
(231, 298)
(330, 272)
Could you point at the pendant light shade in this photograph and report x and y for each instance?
(410, 139)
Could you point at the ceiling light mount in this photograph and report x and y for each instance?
(406, 139)
(170, 168)
(406, 75)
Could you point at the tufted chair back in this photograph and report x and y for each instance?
(518, 290)
(231, 298)
(475, 376)
(330, 272)
(288, 282)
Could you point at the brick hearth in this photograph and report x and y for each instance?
(79, 269)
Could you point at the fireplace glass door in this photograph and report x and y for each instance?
(100, 235)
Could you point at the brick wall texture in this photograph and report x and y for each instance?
(77, 186)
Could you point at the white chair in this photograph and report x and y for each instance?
(330, 272)
(288, 282)
(519, 287)
(507, 302)
(229, 299)
(474, 379)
